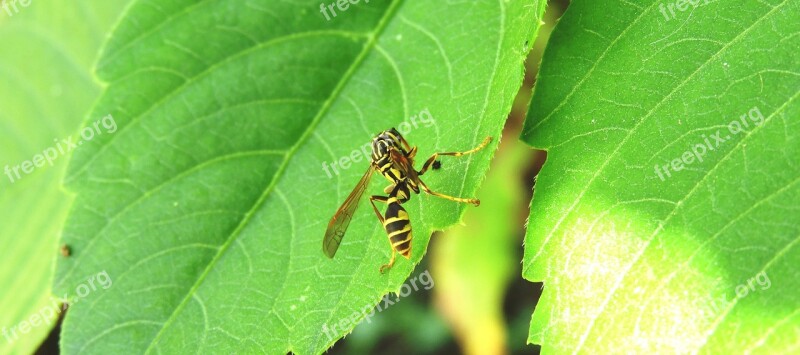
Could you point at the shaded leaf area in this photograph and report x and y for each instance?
(208, 205)
(701, 255)
(474, 263)
(45, 92)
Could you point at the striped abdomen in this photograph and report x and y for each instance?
(398, 227)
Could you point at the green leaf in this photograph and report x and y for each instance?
(634, 263)
(206, 207)
(45, 91)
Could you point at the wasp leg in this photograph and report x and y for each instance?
(473, 201)
(404, 143)
(391, 262)
(412, 153)
(372, 200)
(433, 157)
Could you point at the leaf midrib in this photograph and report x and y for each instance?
(665, 281)
(207, 71)
(625, 273)
(72, 176)
(635, 128)
(369, 45)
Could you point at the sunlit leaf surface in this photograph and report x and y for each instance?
(666, 216)
(208, 205)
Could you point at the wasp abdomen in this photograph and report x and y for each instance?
(398, 227)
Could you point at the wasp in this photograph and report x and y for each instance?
(393, 157)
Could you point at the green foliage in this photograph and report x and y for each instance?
(706, 258)
(207, 206)
(45, 89)
(474, 263)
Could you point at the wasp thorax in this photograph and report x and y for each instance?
(384, 141)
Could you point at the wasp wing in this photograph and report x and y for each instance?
(338, 224)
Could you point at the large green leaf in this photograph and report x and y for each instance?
(45, 91)
(206, 208)
(634, 263)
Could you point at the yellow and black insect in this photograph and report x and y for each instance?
(394, 159)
